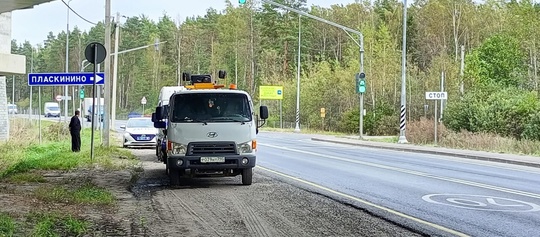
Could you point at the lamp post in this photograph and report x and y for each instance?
(67, 64)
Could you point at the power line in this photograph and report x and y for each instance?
(78, 13)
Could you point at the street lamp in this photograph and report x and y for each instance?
(67, 64)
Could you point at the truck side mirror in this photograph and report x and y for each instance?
(165, 112)
(158, 113)
(160, 125)
(186, 76)
(222, 74)
(263, 112)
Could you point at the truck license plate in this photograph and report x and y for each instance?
(213, 159)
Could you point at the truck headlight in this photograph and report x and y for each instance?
(245, 147)
(178, 149)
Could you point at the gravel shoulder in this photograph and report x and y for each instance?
(223, 207)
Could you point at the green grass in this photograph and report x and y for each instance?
(86, 194)
(384, 139)
(55, 224)
(45, 228)
(304, 131)
(7, 225)
(24, 154)
(76, 226)
(26, 178)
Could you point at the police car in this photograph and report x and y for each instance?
(139, 132)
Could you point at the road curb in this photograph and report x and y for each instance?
(445, 153)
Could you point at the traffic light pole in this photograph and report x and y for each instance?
(360, 43)
(361, 120)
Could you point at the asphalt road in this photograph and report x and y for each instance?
(435, 194)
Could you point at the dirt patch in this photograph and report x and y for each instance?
(22, 200)
(223, 207)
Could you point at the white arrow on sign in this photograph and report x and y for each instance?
(98, 78)
(436, 95)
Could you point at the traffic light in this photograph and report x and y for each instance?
(241, 1)
(81, 92)
(360, 82)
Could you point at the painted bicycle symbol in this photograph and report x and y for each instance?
(481, 202)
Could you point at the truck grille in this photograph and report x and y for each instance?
(205, 148)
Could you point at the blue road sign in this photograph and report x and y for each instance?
(65, 79)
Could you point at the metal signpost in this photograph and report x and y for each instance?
(58, 99)
(61, 79)
(143, 102)
(436, 96)
(361, 89)
(323, 115)
(95, 53)
(273, 93)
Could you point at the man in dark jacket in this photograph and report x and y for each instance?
(75, 130)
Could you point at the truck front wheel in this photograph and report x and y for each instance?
(247, 176)
(174, 176)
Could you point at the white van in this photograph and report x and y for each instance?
(12, 109)
(166, 92)
(52, 109)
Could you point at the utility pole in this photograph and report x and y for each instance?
(297, 126)
(461, 71)
(115, 69)
(107, 94)
(13, 90)
(403, 110)
(67, 65)
(442, 90)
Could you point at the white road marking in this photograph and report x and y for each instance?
(397, 213)
(412, 172)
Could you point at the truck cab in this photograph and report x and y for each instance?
(210, 131)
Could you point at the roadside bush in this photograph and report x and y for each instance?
(57, 132)
(380, 121)
(531, 130)
(505, 112)
(423, 131)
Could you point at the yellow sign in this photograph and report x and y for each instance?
(270, 92)
(323, 110)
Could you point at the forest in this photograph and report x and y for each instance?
(497, 91)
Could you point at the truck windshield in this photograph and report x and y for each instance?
(210, 107)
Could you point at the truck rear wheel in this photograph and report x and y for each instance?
(247, 176)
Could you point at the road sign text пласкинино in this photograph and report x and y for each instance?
(65, 79)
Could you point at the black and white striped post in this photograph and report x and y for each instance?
(403, 112)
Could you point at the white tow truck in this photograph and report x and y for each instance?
(210, 131)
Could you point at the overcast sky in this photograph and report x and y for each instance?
(34, 24)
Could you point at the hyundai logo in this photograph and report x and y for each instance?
(212, 134)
